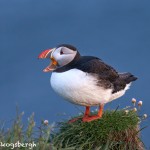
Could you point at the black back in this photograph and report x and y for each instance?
(107, 76)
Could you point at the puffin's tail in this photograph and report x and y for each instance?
(123, 82)
(127, 77)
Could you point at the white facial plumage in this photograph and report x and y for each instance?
(63, 55)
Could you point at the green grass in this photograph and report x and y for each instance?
(40, 135)
(115, 131)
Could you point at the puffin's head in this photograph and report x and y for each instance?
(60, 56)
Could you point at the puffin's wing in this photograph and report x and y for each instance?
(107, 76)
(94, 65)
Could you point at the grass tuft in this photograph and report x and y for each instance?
(116, 130)
(29, 134)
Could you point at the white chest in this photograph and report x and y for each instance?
(79, 87)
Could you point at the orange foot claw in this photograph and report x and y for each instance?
(90, 118)
(73, 120)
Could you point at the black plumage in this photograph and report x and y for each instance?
(107, 76)
(68, 46)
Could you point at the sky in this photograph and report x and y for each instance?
(116, 31)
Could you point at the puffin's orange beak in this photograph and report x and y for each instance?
(48, 54)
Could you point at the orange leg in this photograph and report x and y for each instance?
(87, 111)
(86, 114)
(88, 118)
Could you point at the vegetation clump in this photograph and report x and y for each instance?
(116, 130)
(30, 136)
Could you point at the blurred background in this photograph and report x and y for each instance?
(116, 31)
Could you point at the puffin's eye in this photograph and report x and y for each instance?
(61, 52)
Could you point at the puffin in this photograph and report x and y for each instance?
(84, 80)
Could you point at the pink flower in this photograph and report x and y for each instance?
(126, 111)
(133, 100)
(45, 122)
(140, 103)
(134, 109)
(145, 116)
